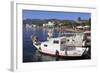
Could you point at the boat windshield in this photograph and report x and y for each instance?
(56, 41)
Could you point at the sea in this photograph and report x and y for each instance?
(30, 53)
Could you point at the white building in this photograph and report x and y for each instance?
(49, 24)
(28, 26)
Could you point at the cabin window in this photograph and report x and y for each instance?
(63, 42)
(56, 42)
(45, 45)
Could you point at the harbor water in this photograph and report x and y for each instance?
(30, 53)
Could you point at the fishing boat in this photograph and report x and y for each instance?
(71, 45)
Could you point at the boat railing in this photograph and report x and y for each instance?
(35, 40)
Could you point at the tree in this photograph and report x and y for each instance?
(88, 22)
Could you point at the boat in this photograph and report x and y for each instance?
(64, 46)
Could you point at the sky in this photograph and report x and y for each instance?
(36, 14)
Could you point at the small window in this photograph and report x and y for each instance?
(56, 42)
(67, 40)
(45, 45)
(63, 42)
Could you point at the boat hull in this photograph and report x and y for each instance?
(60, 53)
(65, 57)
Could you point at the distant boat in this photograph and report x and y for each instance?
(65, 46)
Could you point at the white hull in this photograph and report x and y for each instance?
(77, 52)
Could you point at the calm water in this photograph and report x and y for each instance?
(30, 53)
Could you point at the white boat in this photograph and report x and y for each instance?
(67, 46)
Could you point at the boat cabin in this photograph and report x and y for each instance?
(62, 43)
